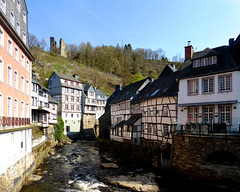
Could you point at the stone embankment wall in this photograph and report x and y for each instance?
(208, 158)
(147, 156)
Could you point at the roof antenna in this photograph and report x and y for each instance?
(189, 43)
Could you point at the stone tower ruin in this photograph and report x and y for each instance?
(62, 50)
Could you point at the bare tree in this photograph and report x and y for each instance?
(32, 41)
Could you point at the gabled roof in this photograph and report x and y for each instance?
(228, 59)
(99, 92)
(112, 97)
(164, 86)
(128, 92)
(67, 77)
(168, 69)
(52, 100)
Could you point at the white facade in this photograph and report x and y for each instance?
(216, 99)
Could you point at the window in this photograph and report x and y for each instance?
(9, 76)
(192, 87)
(225, 83)
(1, 37)
(9, 107)
(204, 62)
(16, 54)
(225, 114)
(66, 98)
(50, 82)
(15, 79)
(196, 63)
(1, 105)
(78, 108)
(15, 108)
(212, 60)
(208, 114)
(22, 84)
(3, 6)
(24, 37)
(22, 109)
(193, 114)
(24, 17)
(66, 107)
(78, 99)
(72, 107)
(23, 61)
(27, 66)
(72, 99)
(18, 5)
(18, 27)
(154, 127)
(27, 87)
(10, 47)
(165, 130)
(1, 70)
(208, 85)
(66, 82)
(165, 111)
(27, 110)
(66, 90)
(12, 18)
(72, 91)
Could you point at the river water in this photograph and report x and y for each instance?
(76, 167)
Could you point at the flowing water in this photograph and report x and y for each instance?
(73, 168)
(76, 167)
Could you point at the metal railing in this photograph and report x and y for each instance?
(206, 129)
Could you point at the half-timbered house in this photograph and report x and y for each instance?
(120, 108)
(155, 110)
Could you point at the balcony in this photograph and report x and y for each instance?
(215, 129)
(13, 122)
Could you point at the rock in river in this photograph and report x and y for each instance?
(142, 182)
(109, 166)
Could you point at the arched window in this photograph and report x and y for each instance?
(12, 18)
(15, 108)
(1, 105)
(9, 107)
(10, 47)
(1, 69)
(9, 75)
(1, 37)
(15, 79)
(3, 6)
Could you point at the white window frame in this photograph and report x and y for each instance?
(27, 66)
(22, 109)
(208, 85)
(18, 5)
(3, 6)
(196, 63)
(16, 51)
(9, 106)
(195, 87)
(15, 79)
(9, 75)
(204, 62)
(1, 104)
(225, 83)
(27, 110)
(193, 114)
(1, 36)
(225, 112)
(208, 114)
(212, 60)
(18, 27)
(10, 47)
(24, 37)
(12, 18)
(15, 107)
(27, 87)
(24, 17)
(22, 83)
(23, 61)
(1, 69)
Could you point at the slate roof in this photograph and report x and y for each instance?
(129, 91)
(111, 98)
(164, 86)
(67, 77)
(228, 59)
(52, 100)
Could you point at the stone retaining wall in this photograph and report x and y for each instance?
(14, 178)
(208, 158)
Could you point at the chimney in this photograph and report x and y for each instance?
(188, 51)
(118, 87)
(231, 41)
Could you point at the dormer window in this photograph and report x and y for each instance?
(212, 60)
(205, 61)
(196, 63)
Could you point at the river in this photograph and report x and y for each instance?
(76, 167)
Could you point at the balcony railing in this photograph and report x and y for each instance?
(206, 129)
(13, 122)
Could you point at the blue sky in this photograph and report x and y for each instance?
(144, 24)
